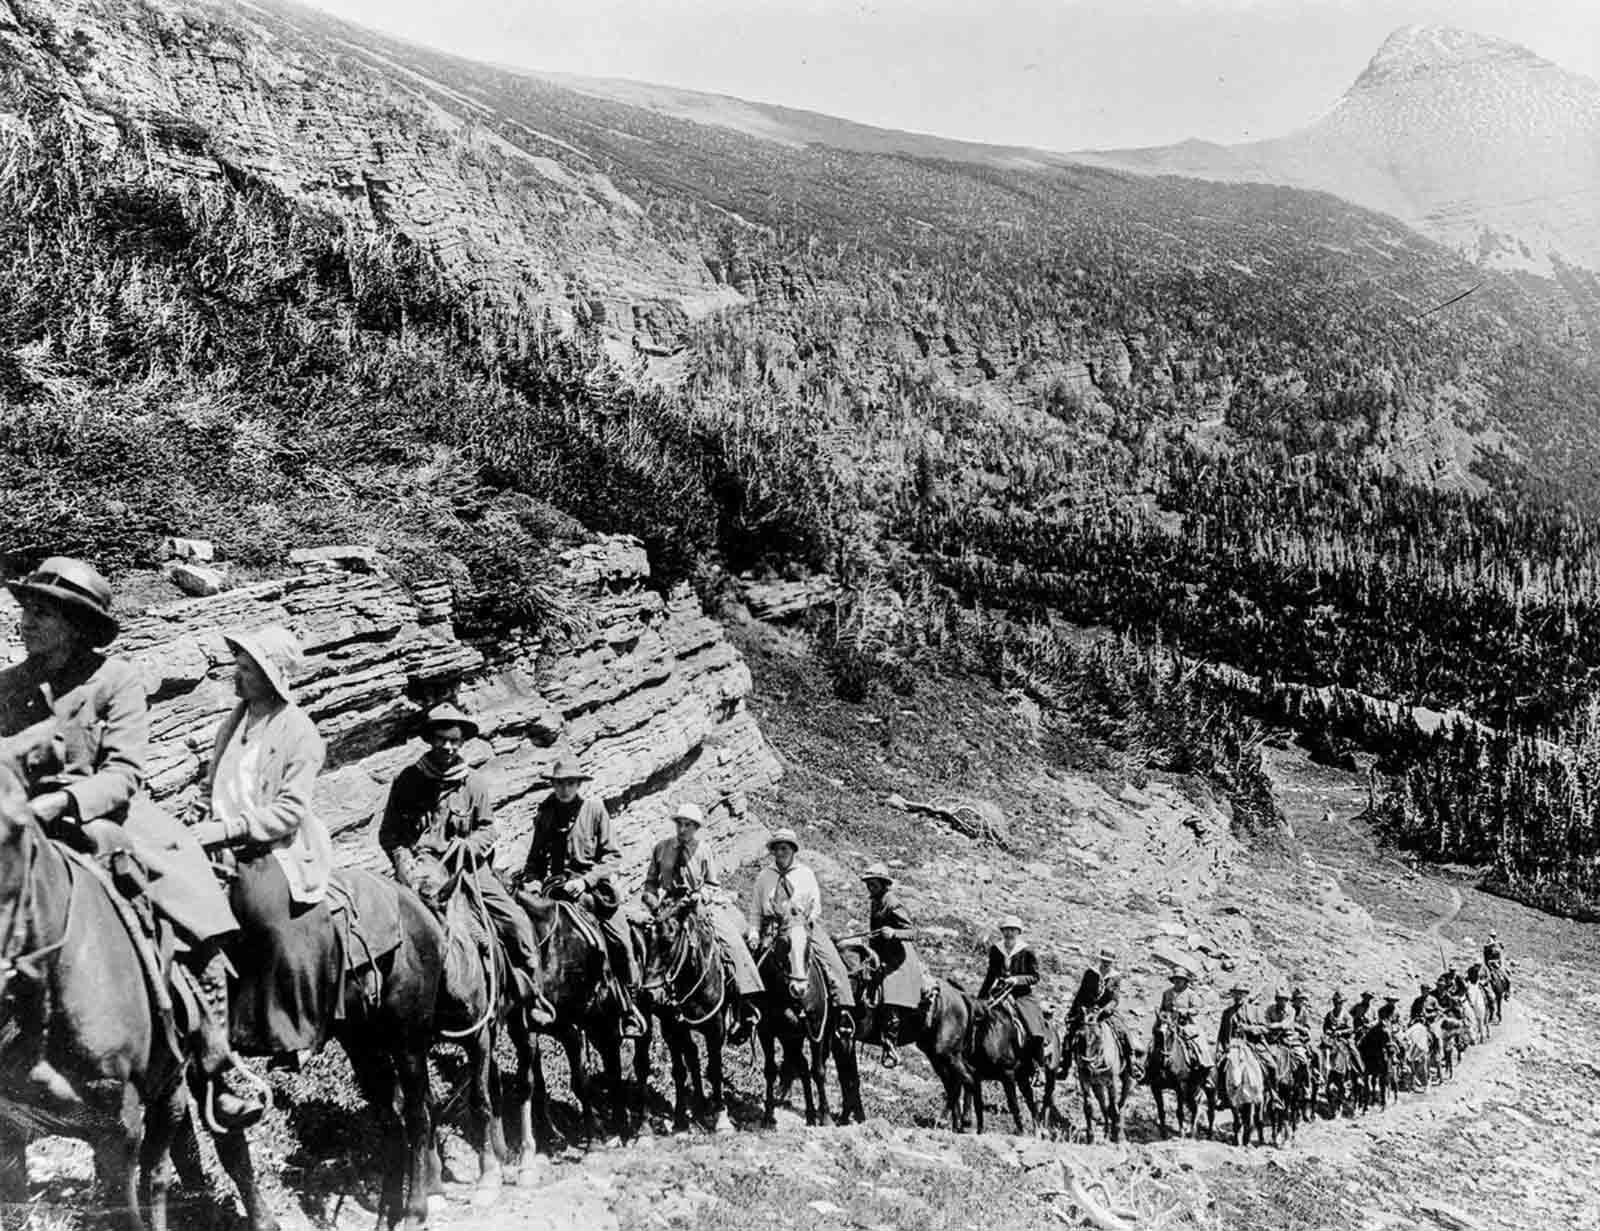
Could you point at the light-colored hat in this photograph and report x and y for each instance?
(1238, 989)
(77, 589)
(1281, 992)
(783, 837)
(1011, 921)
(1179, 972)
(689, 812)
(567, 769)
(1107, 953)
(275, 650)
(446, 715)
(878, 872)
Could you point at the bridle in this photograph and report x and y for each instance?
(682, 946)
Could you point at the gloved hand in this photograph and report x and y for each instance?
(573, 886)
(887, 934)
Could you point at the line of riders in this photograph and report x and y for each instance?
(241, 890)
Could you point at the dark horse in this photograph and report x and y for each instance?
(387, 1034)
(84, 1049)
(477, 1000)
(805, 1016)
(1103, 1074)
(1342, 1073)
(1496, 989)
(572, 957)
(938, 1029)
(1380, 1052)
(687, 988)
(1175, 1066)
(998, 1049)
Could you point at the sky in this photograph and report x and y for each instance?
(1057, 74)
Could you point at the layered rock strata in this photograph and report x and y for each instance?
(649, 696)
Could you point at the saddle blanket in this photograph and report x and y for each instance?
(366, 915)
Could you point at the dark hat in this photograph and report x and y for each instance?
(567, 769)
(1338, 996)
(446, 715)
(75, 587)
(1391, 1000)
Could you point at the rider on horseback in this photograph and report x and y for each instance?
(1360, 1011)
(900, 974)
(686, 865)
(1181, 1004)
(88, 790)
(1098, 992)
(1338, 1033)
(1012, 974)
(572, 857)
(440, 806)
(1241, 1019)
(786, 892)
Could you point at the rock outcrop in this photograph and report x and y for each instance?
(649, 696)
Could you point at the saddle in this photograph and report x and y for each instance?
(366, 919)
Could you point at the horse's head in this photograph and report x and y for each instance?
(432, 880)
(791, 950)
(666, 936)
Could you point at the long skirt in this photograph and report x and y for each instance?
(288, 961)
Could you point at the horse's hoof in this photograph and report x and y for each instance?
(769, 1121)
(724, 1123)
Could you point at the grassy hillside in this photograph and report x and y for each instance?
(992, 400)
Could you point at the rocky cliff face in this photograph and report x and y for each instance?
(209, 90)
(649, 696)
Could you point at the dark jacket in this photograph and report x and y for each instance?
(426, 814)
(571, 840)
(1022, 966)
(901, 974)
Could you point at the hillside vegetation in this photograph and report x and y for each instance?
(993, 401)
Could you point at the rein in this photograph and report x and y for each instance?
(465, 873)
(684, 945)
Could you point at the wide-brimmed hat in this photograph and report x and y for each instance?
(1238, 989)
(275, 650)
(78, 589)
(1338, 996)
(1297, 994)
(446, 715)
(567, 769)
(689, 812)
(783, 837)
(1391, 1000)
(878, 872)
(1281, 992)
(1179, 972)
(1011, 921)
(1107, 954)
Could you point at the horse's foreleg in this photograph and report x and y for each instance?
(678, 1049)
(769, 1048)
(412, 1098)
(582, 1086)
(641, 1070)
(1025, 1087)
(1087, 1096)
(720, 1121)
(161, 1121)
(697, 1087)
(616, 1100)
(484, 1116)
(117, 1162)
(819, 1078)
(233, 1151)
(13, 1165)
(1161, 1108)
(1008, 1083)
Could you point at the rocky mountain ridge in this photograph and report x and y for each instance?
(1475, 141)
(649, 695)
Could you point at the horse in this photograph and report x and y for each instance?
(1341, 1066)
(84, 1047)
(1174, 1067)
(938, 1029)
(1381, 1059)
(799, 1009)
(387, 1033)
(1498, 989)
(576, 970)
(477, 1000)
(998, 1049)
(1418, 1050)
(1103, 1075)
(1244, 1087)
(1293, 1084)
(688, 989)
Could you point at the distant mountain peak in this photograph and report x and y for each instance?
(1413, 53)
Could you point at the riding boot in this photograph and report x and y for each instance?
(213, 1052)
(887, 1036)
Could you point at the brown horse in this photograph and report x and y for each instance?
(477, 1000)
(1103, 1075)
(576, 970)
(804, 1016)
(84, 1049)
(687, 989)
(1173, 1066)
(387, 1036)
(1341, 1073)
(938, 1028)
(998, 1049)
(1381, 1061)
